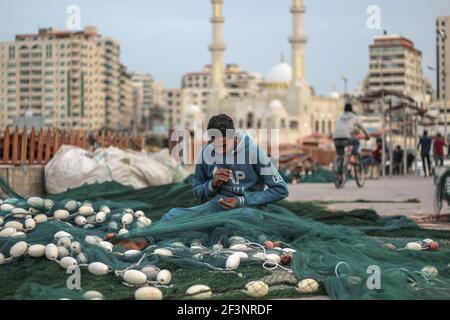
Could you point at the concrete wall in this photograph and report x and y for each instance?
(25, 180)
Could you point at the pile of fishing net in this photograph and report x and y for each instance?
(287, 250)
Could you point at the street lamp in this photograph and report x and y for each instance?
(442, 34)
(345, 79)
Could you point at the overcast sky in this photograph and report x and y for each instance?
(168, 38)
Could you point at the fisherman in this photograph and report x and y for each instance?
(232, 172)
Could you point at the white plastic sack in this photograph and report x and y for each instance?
(73, 167)
(179, 173)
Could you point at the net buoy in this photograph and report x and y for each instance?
(93, 295)
(75, 247)
(433, 246)
(233, 262)
(62, 252)
(81, 258)
(143, 222)
(68, 262)
(236, 240)
(414, 246)
(86, 210)
(242, 255)
(260, 256)
(36, 251)
(127, 219)
(139, 214)
(92, 240)
(105, 209)
(40, 218)
(20, 213)
(256, 289)
(36, 202)
(165, 252)
(61, 214)
(7, 232)
(6, 207)
(64, 241)
(98, 268)
(19, 249)
(430, 271)
(151, 272)
(30, 224)
(199, 292)
(80, 220)
(71, 206)
(134, 277)
(51, 251)
(1, 221)
(307, 286)
(2, 258)
(14, 224)
(123, 231)
(131, 253)
(164, 277)
(60, 234)
(148, 293)
(108, 246)
(100, 217)
(19, 235)
(274, 258)
(48, 204)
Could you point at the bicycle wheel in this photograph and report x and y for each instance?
(358, 172)
(339, 178)
(437, 201)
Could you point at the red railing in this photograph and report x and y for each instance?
(30, 148)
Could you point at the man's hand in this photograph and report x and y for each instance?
(221, 176)
(228, 204)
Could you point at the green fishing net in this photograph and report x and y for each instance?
(345, 252)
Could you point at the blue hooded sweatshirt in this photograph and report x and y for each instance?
(254, 179)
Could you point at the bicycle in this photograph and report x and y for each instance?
(442, 190)
(344, 168)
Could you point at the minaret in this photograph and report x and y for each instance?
(217, 49)
(298, 42)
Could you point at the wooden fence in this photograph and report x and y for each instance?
(38, 147)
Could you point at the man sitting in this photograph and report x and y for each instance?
(232, 172)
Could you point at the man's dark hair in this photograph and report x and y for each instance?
(439, 135)
(425, 133)
(222, 123)
(348, 107)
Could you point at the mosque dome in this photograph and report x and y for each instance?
(334, 94)
(280, 74)
(276, 108)
(193, 109)
(275, 105)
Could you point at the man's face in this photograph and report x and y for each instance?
(223, 145)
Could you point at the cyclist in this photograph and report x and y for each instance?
(347, 126)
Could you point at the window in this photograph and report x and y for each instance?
(250, 120)
(12, 52)
(49, 51)
(293, 125)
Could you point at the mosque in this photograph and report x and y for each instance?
(283, 99)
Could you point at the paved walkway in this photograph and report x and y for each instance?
(379, 192)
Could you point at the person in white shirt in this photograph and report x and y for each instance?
(347, 126)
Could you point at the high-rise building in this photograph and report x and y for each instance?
(125, 99)
(395, 64)
(148, 95)
(443, 57)
(69, 78)
(237, 83)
